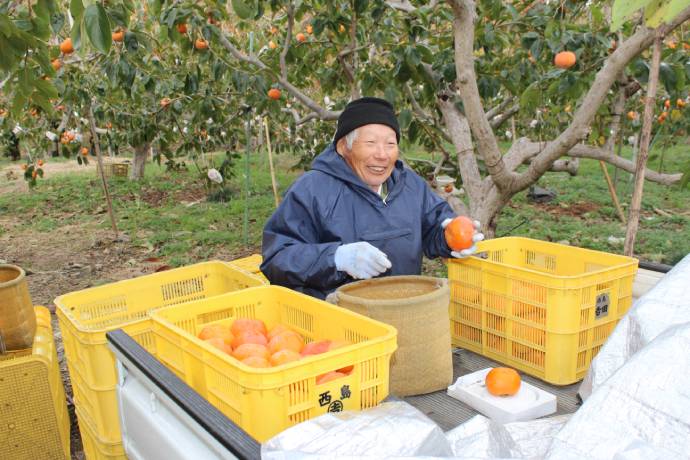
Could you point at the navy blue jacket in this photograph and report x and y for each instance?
(330, 205)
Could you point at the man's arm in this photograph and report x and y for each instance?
(293, 254)
(434, 211)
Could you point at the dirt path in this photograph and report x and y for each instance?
(67, 259)
(12, 180)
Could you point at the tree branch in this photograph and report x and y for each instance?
(288, 39)
(321, 112)
(526, 149)
(342, 58)
(298, 119)
(416, 108)
(459, 132)
(618, 108)
(406, 6)
(500, 119)
(487, 145)
(499, 108)
(596, 95)
(402, 5)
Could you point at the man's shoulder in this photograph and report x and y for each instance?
(412, 179)
(314, 182)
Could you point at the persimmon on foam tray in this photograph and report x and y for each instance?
(251, 343)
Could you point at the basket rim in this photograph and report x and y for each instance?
(440, 282)
(16, 280)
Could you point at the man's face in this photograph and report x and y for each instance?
(373, 154)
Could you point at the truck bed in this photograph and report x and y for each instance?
(165, 418)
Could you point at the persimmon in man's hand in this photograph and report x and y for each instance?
(461, 235)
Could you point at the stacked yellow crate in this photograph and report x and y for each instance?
(86, 316)
(35, 423)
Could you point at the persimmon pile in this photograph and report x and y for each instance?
(250, 342)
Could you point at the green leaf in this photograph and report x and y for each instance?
(76, 34)
(18, 103)
(8, 60)
(42, 101)
(597, 15)
(46, 88)
(42, 9)
(76, 7)
(530, 97)
(625, 9)
(41, 28)
(98, 27)
(43, 58)
(242, 9)
(57, 21)
(361, 6)
(661, 11)
(156, 6)
(668, 77)
(404, 118)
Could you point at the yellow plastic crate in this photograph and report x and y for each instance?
(110, 169)
(266, 401)
(251, 264)
(85, 317)
(95, 447)
(34, 419)
(540, 307)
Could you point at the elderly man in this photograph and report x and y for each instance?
(358, 213)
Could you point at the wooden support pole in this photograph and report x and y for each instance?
(270, 164)
(636, 201)
(99, 157)
(612, 191)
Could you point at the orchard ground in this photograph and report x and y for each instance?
(60, 231)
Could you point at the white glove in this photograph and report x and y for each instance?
(477, 237)
(361, 260)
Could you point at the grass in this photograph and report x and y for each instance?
(583, 213)
(167, 212)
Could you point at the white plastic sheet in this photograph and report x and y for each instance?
(667, 304)
(480, 437)
(641, 411)
(392, 429)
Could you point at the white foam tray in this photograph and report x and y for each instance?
(528, 403)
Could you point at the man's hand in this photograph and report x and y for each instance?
(477, 237)
(361, 260)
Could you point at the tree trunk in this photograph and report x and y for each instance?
(141, 153)
(487, 210)
(15, 155)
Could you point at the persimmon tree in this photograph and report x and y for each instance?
(457, 71)
(186, 76)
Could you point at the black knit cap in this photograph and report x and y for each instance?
(366, 111)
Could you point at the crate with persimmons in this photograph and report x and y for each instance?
(269, 357)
